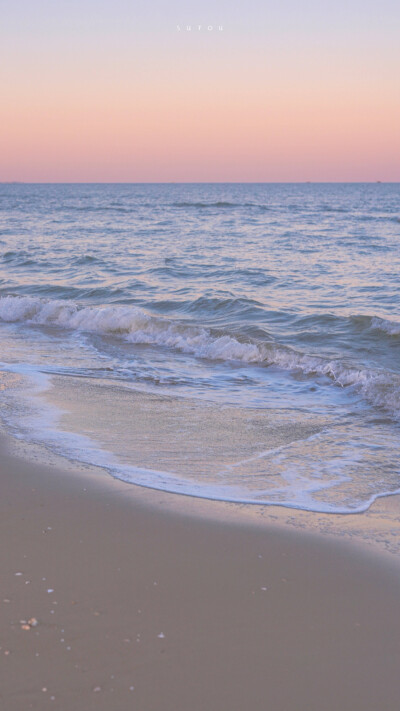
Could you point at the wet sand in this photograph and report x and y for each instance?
(141, 607)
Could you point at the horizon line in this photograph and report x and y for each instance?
(199, 182)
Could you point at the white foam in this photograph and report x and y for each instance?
(129, 322)
(307, 474)
(379, 388)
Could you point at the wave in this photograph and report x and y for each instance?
(331, 208)
(100, 208)
(378, 218)
(223, 306)
(392, 328)
(87, 259)
(130, 323)
(219, 204)
(376, 323)
(19, 255)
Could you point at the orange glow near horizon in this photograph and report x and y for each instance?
(187, 112)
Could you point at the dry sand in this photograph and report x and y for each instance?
(138, 607)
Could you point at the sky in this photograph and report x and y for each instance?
(119, 91)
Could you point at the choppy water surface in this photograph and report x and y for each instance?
(238, 342)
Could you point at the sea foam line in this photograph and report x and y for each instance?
(40, 425)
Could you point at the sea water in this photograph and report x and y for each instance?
(238, 342)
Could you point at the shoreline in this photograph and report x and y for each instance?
(375, 531)
(141, 606)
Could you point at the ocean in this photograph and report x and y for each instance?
(237, 342)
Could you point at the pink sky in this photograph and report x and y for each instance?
(169, 106)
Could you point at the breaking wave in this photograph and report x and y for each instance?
(392, 328)
(380, 388)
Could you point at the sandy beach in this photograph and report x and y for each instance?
(112, 603)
